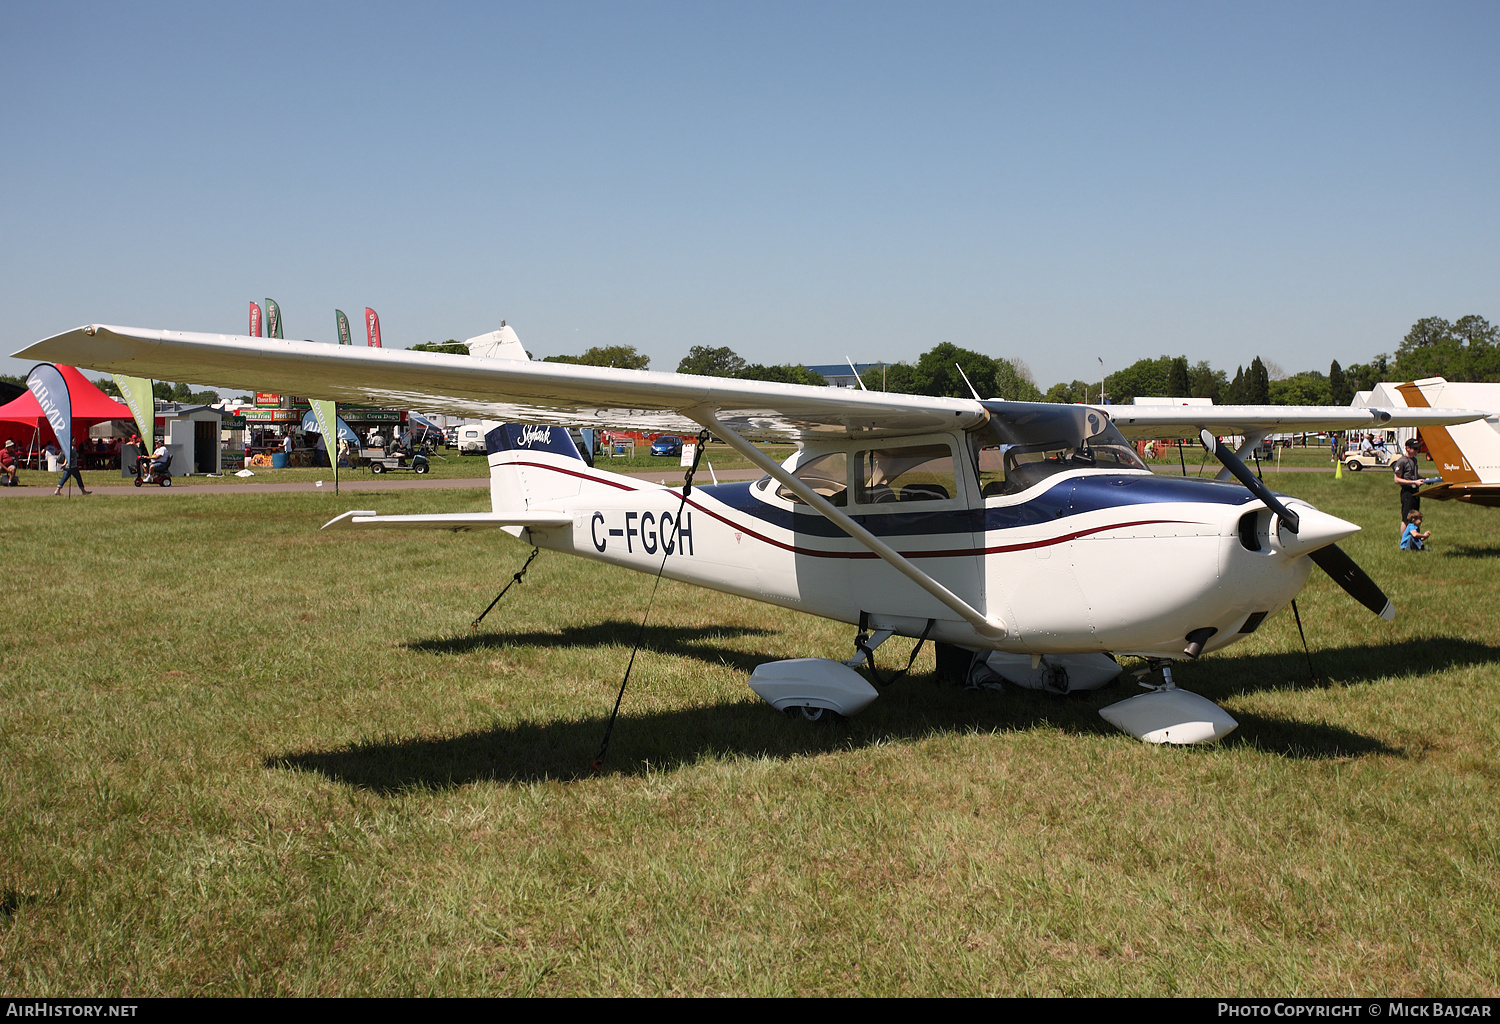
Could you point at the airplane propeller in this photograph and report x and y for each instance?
(1330, 558)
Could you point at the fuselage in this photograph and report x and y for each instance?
(1114, 560)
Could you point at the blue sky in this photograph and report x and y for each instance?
(800, 182)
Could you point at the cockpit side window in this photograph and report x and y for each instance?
(905, 473)
(827, 475)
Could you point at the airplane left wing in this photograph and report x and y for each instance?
(513, 390)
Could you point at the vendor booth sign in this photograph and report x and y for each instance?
(137, 394)
(51, 391)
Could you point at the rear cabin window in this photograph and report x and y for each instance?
(910, 473)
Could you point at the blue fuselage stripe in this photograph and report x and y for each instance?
(1068, 497)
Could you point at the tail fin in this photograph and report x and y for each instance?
(1466, 453)
(501, 344)
(534, 468)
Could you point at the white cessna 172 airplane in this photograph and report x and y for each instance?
(1027, 540)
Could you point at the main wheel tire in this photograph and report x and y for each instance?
(820, 716)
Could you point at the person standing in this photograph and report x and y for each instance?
(1405, 471)
(70, 469)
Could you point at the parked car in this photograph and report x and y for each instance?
(667, 444)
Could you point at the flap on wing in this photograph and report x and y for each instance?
(455, 521)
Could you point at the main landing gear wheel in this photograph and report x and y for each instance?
(822, 716)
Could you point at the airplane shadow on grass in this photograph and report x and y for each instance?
(913, 708)
(672, 641)
(1473, 551)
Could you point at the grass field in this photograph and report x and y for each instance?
(239, 756)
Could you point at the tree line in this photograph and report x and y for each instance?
(1467, 349)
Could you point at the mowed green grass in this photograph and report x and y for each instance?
(241, 756)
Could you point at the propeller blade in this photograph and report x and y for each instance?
(1235, 465)
(1352, 578)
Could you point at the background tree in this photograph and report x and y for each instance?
(1148, 377)
(1234, 394)
(1339, 391)
(897, 378)
(183, 393)
(1257, 384)
(1364, 376)
(711, 362)
(1070, 394)
(1208, 382)
(784, 374)
(1306, 388)
(1178, 384)
(624, 357)
(936, 373)
(1468, 350)
(452, 347)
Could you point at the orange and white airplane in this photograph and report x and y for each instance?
(1467, 455)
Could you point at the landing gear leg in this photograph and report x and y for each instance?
(1152, 665)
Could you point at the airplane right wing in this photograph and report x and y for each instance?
(1187, 420)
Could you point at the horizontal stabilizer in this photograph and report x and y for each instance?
(456, 521)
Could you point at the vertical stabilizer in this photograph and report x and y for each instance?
(501, 344)
(1465, 453)
(533, 467)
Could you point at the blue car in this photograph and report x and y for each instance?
(667, 444)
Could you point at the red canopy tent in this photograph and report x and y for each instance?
(23, 422)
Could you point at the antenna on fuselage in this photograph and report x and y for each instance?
(965, 376)
(856, 374)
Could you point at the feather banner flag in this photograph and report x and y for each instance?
(137, 394)
(51, 390)
(343, 322)
(372, 327)
(328, 425)
(273, 319)
(254, 320)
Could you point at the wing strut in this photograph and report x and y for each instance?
(984, 624)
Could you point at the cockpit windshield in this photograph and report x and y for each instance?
(1024, 443)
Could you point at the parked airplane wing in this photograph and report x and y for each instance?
(1187, 420)
(504, 389)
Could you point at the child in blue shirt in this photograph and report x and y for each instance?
(1412, 537)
